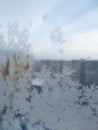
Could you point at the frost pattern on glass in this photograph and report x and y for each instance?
(60, 103)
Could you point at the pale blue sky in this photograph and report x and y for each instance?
(77, 18)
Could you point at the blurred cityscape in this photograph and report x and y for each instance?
(86, 71)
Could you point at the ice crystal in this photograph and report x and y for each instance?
(60, 104)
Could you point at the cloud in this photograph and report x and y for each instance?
(86, 37)
(46, 50)
(24, 11)
(88, 21)
(82, 45)
(36, 23)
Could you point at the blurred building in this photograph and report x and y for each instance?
(86, 70)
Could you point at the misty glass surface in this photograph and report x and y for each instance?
(48, 65)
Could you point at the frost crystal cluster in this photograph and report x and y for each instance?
(58, 103)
